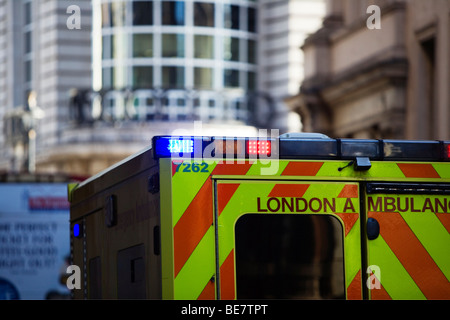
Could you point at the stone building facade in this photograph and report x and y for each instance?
(383, 73)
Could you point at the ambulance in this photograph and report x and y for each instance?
(296, 216)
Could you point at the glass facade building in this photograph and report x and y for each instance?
(111, 75)
(181, 60)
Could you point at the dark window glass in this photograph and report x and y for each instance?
(231, 19)
(142, 13)
(28, 41)
(203, 47)
(106, 47)
(251, 51)
(173, 45)
(429, 47)
(203, 14)
(142, 77)
(28, 13)
(28, 71)
(231, 78)
(251, 81)
(289, 257)
(203, 78)
(252, 19)
(181, 102)
(173, 77)
(107, 78)
(142, 45)
(173, 13)
(231, 49)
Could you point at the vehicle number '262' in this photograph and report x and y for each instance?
(192, 167)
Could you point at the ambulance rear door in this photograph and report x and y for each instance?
(408, 231)
(288, 239)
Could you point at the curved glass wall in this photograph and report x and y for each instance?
(196, 58)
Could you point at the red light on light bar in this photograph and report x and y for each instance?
(259, 147)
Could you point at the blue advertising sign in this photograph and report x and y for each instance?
(34, 240)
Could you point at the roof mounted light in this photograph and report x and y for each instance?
(211, 147)
(351, 148)
(181, 146)
(447, 150)
(402, 150)
(300, 147)
(166, 147)
(259, 147)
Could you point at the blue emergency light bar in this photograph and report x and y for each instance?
(299, 148)
(209, 147)
(175, 146)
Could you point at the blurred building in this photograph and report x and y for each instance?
(81, 90)
(41, 59)
(385, 76)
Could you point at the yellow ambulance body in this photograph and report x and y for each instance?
(276, 218)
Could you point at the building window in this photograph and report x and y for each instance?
(231, 19)
(173, 13)
(143, 45)
(203, 14)
(428, 75)
(106, 15)
(107, 78)
(132, 55)
(203, 47)
(142, 13)
(142, 77)
(106, 47)
(231, 78)
(113, 78)
(28, 13)
(28, 71)
(28, 41)
(251, 81)
(173, 77)
(252, 20)
(173, 45)
(231, 49)
(251, 51)
(203, 78)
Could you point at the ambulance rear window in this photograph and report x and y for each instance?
(285, 256)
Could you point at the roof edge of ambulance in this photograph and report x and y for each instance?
(297, 146)
(108, 170)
